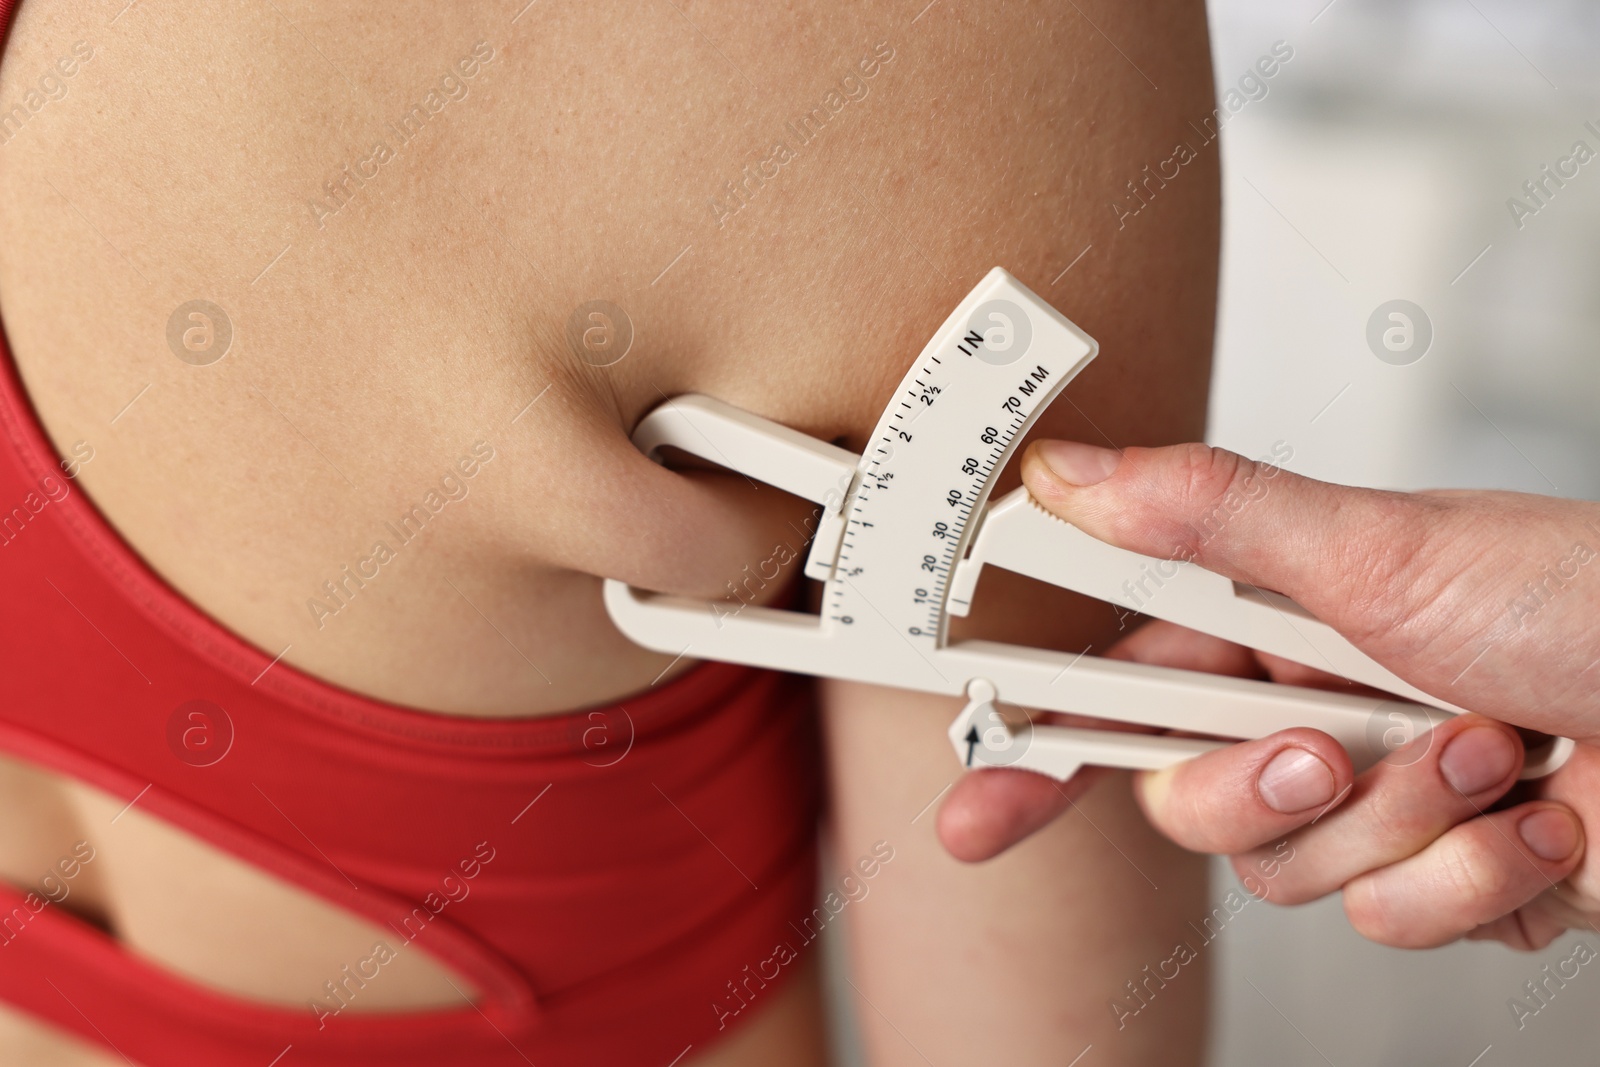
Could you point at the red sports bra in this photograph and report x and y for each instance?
(604, 906)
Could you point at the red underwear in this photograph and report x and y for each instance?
(613, 881)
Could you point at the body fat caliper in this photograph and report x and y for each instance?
(907, 528)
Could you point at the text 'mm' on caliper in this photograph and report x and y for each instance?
(907, 528)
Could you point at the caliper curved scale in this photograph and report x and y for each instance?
(906, 529)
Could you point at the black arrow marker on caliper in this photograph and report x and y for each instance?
(972, 742)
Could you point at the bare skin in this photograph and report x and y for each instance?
(375, 343)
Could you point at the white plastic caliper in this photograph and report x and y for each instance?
(906, 529)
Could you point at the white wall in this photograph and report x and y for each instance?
(1391, 143)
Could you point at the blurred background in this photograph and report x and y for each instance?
(1378, 167)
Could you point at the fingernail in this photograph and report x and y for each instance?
(1550, 834)
(1295, 780)
(1476, 759)
(1078, 464)
(1153, 787)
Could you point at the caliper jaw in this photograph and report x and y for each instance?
(767, 451)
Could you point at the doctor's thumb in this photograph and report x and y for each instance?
(1323, 545)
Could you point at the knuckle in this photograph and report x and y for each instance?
(1244, 869)
(1475, 878)
(1368, 910)
(1210, 485)
(1394, 821)
(1267, 878)
(1290, 893)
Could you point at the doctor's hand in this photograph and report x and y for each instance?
(1490, 600)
